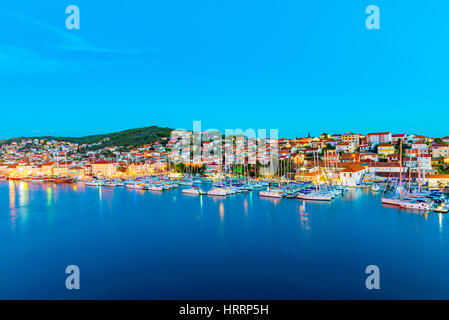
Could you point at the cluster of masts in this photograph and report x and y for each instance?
(421, 198)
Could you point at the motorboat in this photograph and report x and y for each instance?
(315, 196)
(415, 205)
(110, 184)
(217, 192)
(194, 190)
(134, 186)
(271, 194)
(155, 188)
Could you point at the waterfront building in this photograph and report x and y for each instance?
(425, 162)
(352, 175)
(386, 168)
(103, 168)
(437, 180)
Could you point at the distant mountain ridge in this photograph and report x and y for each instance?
(137, 136)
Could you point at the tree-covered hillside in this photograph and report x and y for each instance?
(139, 136)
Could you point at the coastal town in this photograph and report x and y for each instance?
(309, 168)
(376, 153)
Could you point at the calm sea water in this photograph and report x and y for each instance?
(146, 245)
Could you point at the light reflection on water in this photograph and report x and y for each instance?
(290, 240)
(49, 196)
(12, 204)
(222, 211)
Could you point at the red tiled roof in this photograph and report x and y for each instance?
(378, 133)
(440, 145)
(354, 168)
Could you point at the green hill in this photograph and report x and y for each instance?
(136, 137)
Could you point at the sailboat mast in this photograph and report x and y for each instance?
(419, 171)
(400, 169)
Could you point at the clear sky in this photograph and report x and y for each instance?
(297, 66)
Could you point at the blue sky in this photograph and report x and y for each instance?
(297, 66)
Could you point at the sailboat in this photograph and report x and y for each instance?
(395, 201)
(415, 202)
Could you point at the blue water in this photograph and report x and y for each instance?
(145, 245)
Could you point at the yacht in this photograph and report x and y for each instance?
(194, 190)
(62, 180)
(110, 184)
(415, 204)
(375, 187)
(155, 188)
(134, 186)
(442, 208)
(315, 196)
(271, 194)
(391, 201)
(217, 192)
(91, 183)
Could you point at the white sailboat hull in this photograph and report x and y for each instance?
(270, 194)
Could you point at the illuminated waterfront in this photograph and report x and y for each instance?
(139, 244)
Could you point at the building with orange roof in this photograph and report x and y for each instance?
(351, 137)
(384, 149)
(345, 147)
(436, 180)
(378, 137)
(350, 157)
(440, 150)
(352, 175)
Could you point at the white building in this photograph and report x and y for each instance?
(352, 175)
(345, 147)
(385, 149)
(378, 137)
(396, 138)
(440, 150)
(386, 167)
(422, 146)
(425, 162)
